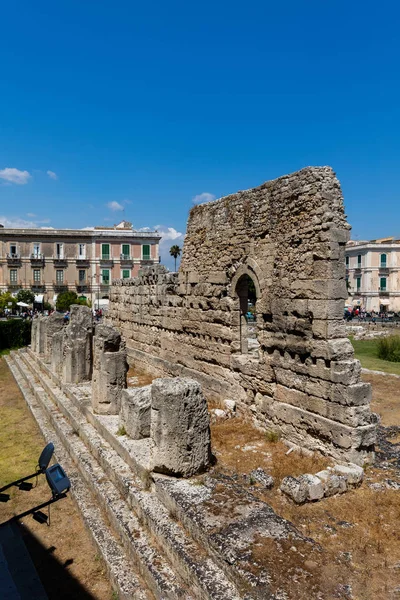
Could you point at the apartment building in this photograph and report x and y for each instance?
(48, 261)
(373, 274)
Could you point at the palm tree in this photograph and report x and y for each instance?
(175, 252)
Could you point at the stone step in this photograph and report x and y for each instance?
(123, 575)
(140, 548)
(189, 560)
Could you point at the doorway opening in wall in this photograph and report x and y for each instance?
(246, 292)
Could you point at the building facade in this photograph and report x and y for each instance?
(373, 274)
(49, 261)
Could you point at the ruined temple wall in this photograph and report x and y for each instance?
(289, 236)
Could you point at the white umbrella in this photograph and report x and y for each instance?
(22, 304)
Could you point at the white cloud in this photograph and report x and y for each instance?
(87, 228)
(204, 197)
(30, 215)
(52, 175)
(115, 205)
(12, 175)
(18, 223)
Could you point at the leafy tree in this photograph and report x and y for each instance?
(5, 298)
(26, 296)
(175, 251)
(65, 299)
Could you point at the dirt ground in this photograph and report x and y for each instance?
(359, 531)
(64, 555)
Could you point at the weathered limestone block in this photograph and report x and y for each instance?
(180, 427)
(263, 478)
(136, 412)
(57, 357)
(354, 474)
(333, 484)
(53, 324)
(34, 333)
(109, 370)
(303, 488)
(77, 346)
(38, 334)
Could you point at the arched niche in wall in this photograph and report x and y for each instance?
(246, 291)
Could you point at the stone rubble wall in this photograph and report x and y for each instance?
(289, 236)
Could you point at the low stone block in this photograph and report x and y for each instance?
(295, 488)
(351, 472)
(260, 476)
(135, 412)
(180, 427)
(332, 484)
(315, 488)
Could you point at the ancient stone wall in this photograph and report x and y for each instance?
(300, 376)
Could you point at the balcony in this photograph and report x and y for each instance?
(37, 259)
(106, 259)
(384, 270)
(37, 286)
(357, 269)
(125, 259)
(14, 285)
(60, 286)
(82, 286)
(14, 260)
(82, 261)
(383, 292)
(59, 261)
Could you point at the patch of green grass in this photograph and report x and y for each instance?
(121, 430)
(272, 436)
(366, 351)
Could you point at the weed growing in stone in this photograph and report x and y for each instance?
(121, 430)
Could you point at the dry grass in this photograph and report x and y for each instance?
(230, 437)
(364, 554)
(385, 397)
(80, 573)
(143, 378)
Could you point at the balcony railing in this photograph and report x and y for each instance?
(37, 285)
(59, 260)
(125, 258)
(14, 259)
(383, 292)
(13, 285)
(106, 258)
(60, 285)
(37, 259)
(384, 269)
(82, 260)
(82, 286)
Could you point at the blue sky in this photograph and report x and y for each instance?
(145, 106)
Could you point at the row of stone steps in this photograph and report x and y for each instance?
(173, 564)
(121, 571)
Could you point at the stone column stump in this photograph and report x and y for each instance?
(77, 346)
(136, 411)
(109, 370)
(180, 427)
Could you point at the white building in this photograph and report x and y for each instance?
(373, 274)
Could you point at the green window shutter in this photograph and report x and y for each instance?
(105, 251)
(105, 274)
(146, 252)
(358, 283)
(383, 284)
(383, 260)
(126, 250)
(125, 274)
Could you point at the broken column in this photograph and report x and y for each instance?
(57, 358)
(180, 427)
(77, 346)
(109, 370)
(38, 334)
(53, 324)
(135, 412)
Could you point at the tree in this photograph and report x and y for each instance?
(26, 296)
(175, 251)
(5, 299)
(65, 299)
